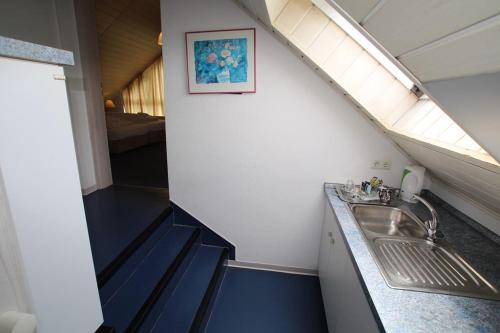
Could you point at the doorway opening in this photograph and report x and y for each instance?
(121, 217)
(130, 42)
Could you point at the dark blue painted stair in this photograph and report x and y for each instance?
(161, 271)
(128, 307)
(186, 307)
(119, 219)
(153, 271)
(121, 275)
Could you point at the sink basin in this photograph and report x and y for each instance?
(398, 242)
(387, 221)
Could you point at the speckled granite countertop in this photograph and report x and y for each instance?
(13, 48)
(411, 311)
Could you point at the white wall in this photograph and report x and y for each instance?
(13, 290)
(252, 167)
(8, 301)
(29, 20)
(91, 68)
(474, 103)
(75, 83)
(54, 23)
(40, 173)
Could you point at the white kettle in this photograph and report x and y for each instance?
(413, 180)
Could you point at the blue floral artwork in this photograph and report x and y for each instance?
(221, 61)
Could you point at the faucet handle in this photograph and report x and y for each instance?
(431, 225)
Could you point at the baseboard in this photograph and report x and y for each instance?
(272, 268)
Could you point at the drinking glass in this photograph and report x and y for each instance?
(349, 186)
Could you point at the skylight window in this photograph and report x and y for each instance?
(347, 57)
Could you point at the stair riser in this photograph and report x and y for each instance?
(203, 315)
(184, 306)
(122, 274)
(148, 324)
(104, 276)
(156, 294)
(132, 302)
(105, 329)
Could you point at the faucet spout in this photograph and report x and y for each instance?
(432, 224)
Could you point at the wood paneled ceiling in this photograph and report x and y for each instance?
(128, 32)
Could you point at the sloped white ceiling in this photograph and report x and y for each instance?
(474, 52)
(128, 32)
(475, 101)
(358, 9)
(404, 25)
(434, 39)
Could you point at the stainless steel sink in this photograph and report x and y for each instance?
(387, 221)
(408, 260)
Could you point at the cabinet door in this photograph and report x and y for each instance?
(325, 272)
(354, 313)
(324, 253)
(336, 263)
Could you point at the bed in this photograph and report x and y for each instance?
(127, 131)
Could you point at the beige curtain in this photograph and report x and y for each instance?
(145, 93)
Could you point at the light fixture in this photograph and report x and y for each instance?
(160, 39)
(109, 104)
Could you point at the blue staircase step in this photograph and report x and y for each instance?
(106, 273)
(183, 312)
(122, 274)
(116, 217)
(145, 324)
(130, 304)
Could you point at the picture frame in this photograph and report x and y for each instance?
(221, 61)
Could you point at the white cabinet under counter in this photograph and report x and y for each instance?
(346, 306)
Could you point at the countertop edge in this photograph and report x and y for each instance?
(17, 49)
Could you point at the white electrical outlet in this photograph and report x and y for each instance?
(382, 164)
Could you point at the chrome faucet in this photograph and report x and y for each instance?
(431, 225)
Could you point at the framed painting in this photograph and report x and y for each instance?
(221, 61)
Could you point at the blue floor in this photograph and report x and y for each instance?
(173, 282)
(252, 301)
(121, 308)
(117, 215)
